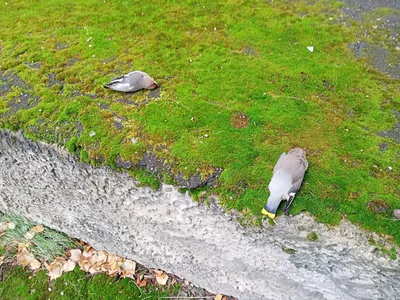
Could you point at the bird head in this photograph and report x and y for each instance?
(149, 83)
(153, 86)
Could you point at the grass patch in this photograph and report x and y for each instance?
(45, 246)
(20, 284)
(215, 61)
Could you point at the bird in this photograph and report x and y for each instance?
(132, 82)
(286, 180)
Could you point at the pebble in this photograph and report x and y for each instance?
(396, 213)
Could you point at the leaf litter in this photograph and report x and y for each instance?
(94, 262)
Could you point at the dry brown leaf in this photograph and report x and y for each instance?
(129, 265)
(59, 260)
(87, 253)
(141, 283)
(37, 228)
(68, 266)
(128, 274)
(74, 254)
(1, 260)
(24, 257)
(56, 268)
(102, 256)
(218, 297)
(83, 264)
(161, 276)
(29, 235)
(94, 258)
(55, 273)
(34, 264)
(129, 268)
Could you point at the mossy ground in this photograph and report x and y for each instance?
(215, 60)
(18, 283)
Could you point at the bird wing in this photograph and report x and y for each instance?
(135, 79)
(294, 165)
(116, 80)
(297, 171)
(279, 163)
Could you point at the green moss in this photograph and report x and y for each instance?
(312, 236)
(21, 284)
(213, 61)
(288, 250)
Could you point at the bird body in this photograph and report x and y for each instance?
(132, 82)
(286, 180)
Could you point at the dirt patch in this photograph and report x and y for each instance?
(24, 100)
(393, 133)
(8, 80)
(156, 93)
(53, 80)
(378, 39)
(377, 206)
(240, 120)
(250, 51)
(158, 167)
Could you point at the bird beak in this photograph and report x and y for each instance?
(153, 86)
(268, 214)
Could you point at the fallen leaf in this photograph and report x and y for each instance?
(56, 267)
(25, 258)
(74, 254)
(1, 260)
(37, 229)
(55, 272)
(29, 235)
(128, 268)
(68, 266)
(218, 297)
(94, 258)
(129, 265)
(34, 264)
(102, 256)
(161, 276)
(141, 283)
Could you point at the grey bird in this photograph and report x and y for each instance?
(132, 82)
(286, 180)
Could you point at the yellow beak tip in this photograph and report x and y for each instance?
(266, 213)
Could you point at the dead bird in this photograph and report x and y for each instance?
(286, 180)
(132, 82)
